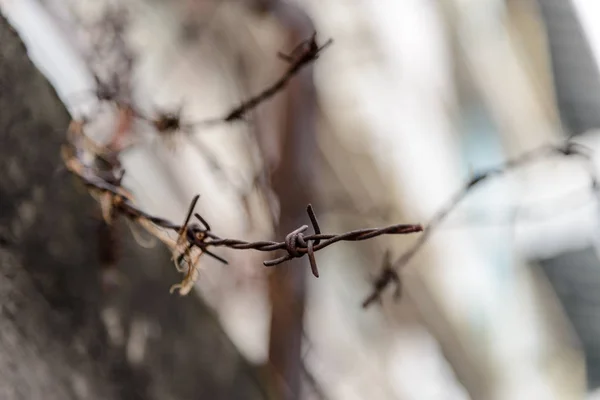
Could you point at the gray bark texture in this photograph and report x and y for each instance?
(64, 334)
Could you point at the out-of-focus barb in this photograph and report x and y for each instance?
(389, 274)
(302, 55)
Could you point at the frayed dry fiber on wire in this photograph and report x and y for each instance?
(99, 168)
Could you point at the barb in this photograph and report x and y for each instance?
(297, 245)
(389, 273)
(304, 54)
(301, 56)
(168, 122)
(386, 277)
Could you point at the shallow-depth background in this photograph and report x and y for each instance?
(412, 98)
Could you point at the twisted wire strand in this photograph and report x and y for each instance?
(296, 244)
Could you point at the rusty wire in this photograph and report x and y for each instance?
(301, 56)
(103, 177)
(389, 272)
(295, 244)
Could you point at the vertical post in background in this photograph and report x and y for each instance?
(292, 183)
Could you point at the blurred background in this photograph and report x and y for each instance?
(412, 98)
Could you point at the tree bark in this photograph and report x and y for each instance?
(64, 334)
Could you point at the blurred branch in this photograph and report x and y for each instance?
(389, 274)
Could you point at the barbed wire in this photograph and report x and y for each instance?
(115, 88)
(167, 122)
(196, 238)
(117, 201)
(389, 272)
(104, 175)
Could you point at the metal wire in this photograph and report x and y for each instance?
(295, 244)
(389, 273)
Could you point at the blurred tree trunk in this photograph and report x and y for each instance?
(64, 335)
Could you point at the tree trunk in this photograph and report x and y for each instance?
(64, 334)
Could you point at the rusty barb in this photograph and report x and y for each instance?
(389, 274)
(301, 56)
(296, 244)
